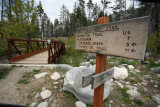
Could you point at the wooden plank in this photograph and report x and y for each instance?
(124, 38)
(86, 80)
(13, 59)
(101, 78)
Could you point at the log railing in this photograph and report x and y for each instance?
(19, 49)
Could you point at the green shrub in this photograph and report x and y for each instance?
(153, 44)
(23, 81)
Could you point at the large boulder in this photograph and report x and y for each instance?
(73, 84)
(120, 73)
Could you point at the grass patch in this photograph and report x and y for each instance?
(123, 91)
(127, 100)
(133, 81)
(23, 81)
(92, 62)
(20, 66)
(126, 61)
(4, 72)
(153, 63)
(137, 78)
(71, 56)
(13, 66)
(139, 102)
(26, 76)
(35, 71)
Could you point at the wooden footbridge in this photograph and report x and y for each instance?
(22, 51)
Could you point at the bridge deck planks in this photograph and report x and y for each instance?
(41, 58)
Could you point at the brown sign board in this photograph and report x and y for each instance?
(126, 38)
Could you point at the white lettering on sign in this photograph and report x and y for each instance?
(124, 38)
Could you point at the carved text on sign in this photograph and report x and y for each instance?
(125, 38)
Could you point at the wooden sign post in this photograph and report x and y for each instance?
(124, 38)
(100, 67)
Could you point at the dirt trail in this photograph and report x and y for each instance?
(10, 92)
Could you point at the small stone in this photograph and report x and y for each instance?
(158, 75)
(111, 101)
(45, 94)
(40, 75)
(139, 84)
(80, 104)
(158, 106)
(156, 99)
(55, 87)
(111, 80)
(111, 88)
(43, 104)
(127, 83)
(129, 87)
(55, 83)
(151, 81)
(138, 71)
(131, 67)
(33, 104)
(133, 93)
(123, 105)
(37, 95)
(144, 83)
(43, 88)
(134, 88)
(119, 84)
(55, 76)
(155, 86)
(145, 89)
(109, 105)
(120, 73)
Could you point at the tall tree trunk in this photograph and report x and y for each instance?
(2, 11)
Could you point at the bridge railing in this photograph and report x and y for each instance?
(19, 49)
(55, 50)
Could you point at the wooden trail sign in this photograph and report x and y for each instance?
(123, 38)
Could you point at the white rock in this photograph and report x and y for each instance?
(40, 75)
(43, 104)
(37, 95)
(145, 89)
(55, 76)
(80, 104)
(155, 86)
(111, 80)
(43, 88)
(73, 84)
(111, 101)
(87, 64)
(33, 104)
(55, 87)
(158, 106)
(144, 83)
(120, 73)
(55, 82)
(127, 83)
(119, 84)
(129, 87)
(45, 94)
(156, 99)
(137, 70)
(131, 67)
(133, 93)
